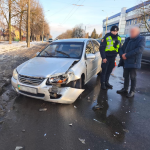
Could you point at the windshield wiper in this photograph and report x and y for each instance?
(63, 53)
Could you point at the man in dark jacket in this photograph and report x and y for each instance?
(109, 49)
(131, 55)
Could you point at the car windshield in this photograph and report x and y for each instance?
(63, 50)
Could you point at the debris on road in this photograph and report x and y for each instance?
(82, 141)
(18, 147)
(97, 121)
(88, 97)
(23, 130)
(70, 124)
(144, 99)
(125, 130)
(45, 134)
(97, 107)
(43, 109)
(117, 133)
(75, 107)
(1, 122)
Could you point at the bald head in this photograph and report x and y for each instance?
(134, 32)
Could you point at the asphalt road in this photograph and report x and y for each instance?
(122, 124)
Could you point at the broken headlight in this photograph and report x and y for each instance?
(62, 79)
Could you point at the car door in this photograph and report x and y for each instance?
(90, 63)
(146, 52)
(98, 60)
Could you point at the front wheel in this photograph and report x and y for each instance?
(100, 72)
(80, 83)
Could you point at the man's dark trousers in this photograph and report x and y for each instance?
(107, 68)
(130, 73)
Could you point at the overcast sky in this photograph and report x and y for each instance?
(62, 15)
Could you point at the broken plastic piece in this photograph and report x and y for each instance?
(75, 107)
(18, 147)
(97, 107)
(125, 130)
(70, 124)
(117, 132)
(96, 120)
(45, 134)
(43, 109)
(82, 140)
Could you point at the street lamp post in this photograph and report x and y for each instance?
(106, 21)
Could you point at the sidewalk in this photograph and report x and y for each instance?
(6, 47)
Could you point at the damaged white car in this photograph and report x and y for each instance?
(59, 72)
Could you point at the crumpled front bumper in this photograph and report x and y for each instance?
(68, 94)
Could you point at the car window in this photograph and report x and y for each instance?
(63, 50)
(89, 48)
(96, 46)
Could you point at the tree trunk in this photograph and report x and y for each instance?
(20, 24)
(9, 24)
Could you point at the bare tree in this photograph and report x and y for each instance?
(78, 32)
(143, 14)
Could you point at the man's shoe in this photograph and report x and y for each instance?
(103, 86)
(123, 90)
(108, 85)
(131, 94)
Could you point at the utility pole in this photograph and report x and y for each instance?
(9, 24)
(28, 40)
(43, 32)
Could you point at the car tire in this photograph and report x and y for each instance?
(80, 83)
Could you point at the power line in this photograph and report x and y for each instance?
(69, 13)
(73, 13)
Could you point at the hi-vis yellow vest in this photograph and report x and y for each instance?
(110, 44)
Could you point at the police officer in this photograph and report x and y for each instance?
(109, 48)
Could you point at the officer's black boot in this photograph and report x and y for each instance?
(123, 90)
(103, 86)
(108, 85)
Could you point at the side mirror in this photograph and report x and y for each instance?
(90, 56)
(37, 53)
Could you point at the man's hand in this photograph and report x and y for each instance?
(124, 56)
(104, 60)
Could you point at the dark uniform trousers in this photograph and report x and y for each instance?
(107, 68)
(130, 73)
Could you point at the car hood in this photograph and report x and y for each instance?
(45, 66)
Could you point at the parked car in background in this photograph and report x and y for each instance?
(146, 53)
(59, 72)
(50, 40)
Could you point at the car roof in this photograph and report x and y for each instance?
(74, 40)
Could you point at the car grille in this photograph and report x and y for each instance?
(30, 80)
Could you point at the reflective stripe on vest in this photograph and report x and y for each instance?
(110, 44)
